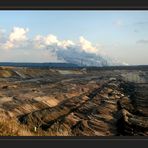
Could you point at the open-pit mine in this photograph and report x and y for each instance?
(73, 102)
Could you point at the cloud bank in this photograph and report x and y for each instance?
(18, 47)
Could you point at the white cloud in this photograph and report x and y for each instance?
(87, 46)
(66, 43)
(17, 37)
(50, 39)
(49, 48)
(8, 45)
(44, 41)
(18, 34)
(39, 41)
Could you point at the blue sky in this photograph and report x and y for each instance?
(123, 35)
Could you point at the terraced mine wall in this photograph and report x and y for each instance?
(62, 102)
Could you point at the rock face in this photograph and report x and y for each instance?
(76, 102)
(105, 111)
(82, 115)
(134, 110)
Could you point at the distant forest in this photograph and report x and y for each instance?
(72, 66)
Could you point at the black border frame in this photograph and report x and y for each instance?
(74, 4)
(75, 142)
